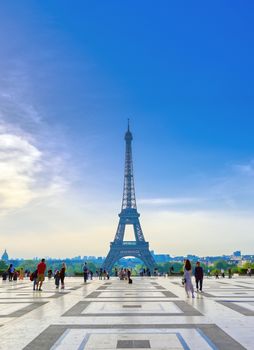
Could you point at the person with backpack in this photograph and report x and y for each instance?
(11, 272)
(85, 271)
(15, 275)
(57, 278)
(33, 278)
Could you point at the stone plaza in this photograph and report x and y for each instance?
(152, 313)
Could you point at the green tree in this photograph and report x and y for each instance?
(3, 266)
(221, 264)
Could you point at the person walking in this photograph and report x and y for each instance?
(85, 271)
(187, 278)
(41, 268)
(21, 273)
(199, 275)
(62, 274)
(50, 273)
(34, 277)
(129, 276)
(249, 272)
(57, 278)
(11, 272)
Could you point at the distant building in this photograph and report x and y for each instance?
(161, 258)
(5, 256)
(237, 254)
(192, 257)
(236, 257)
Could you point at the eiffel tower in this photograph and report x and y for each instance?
(138, 248)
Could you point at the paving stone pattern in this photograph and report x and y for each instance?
(151, 313)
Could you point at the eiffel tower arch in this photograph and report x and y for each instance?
(129, 215)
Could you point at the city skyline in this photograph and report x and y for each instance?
(71, 76)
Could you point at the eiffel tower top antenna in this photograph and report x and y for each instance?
(129, 197)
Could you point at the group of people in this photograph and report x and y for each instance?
(101, 273)
(222, 273)
(199, 275)
(13, 275)
(145, 272)
(38, 276)
(124, 274)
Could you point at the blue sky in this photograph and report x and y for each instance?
(71, 75)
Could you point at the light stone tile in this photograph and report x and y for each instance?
(121, 307)
(7, 309)
(72, 339)
(230, 294)
(35, 322)
(247, 305)
(131, 294)
(170, 339)
(33, 295)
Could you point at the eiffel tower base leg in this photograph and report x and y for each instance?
(139, 251)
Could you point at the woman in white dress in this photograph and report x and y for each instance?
(187, 279)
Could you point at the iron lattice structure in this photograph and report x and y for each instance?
(138, 248)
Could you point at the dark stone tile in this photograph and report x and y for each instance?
(240, 309)
(219, 338)
(160, 288)
(124, 344)
(211, 295)
(93, 295)
(77, 309)
(25, 310)
(75, 287)
(143, 344)
(102, 288)
(187, 309)
(169, 294)
(132, 344)
(130, 306)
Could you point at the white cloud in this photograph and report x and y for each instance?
(245, 169)
(26, 172)
(19, 162)
(170, 201)
(30, 164)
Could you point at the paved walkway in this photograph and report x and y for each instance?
(152, 313)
